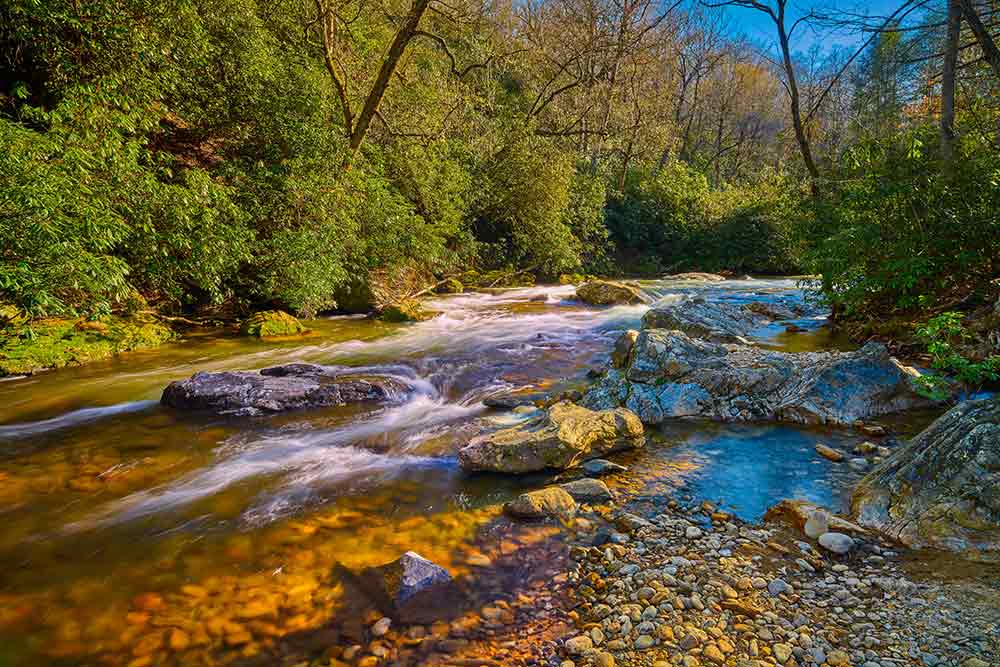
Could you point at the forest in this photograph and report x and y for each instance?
(216, 158)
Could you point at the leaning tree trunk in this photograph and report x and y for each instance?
(990, 51)
(793, 92)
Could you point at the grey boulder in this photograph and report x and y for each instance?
(672, 375)
(698, 318)
(942, 490)
(410, 589)
(278, 389)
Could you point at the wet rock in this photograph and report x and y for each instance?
(772, 311)
(598, 467)
(697, 276)
(513, 400)
(551, 502)
(579, 645)
(941, 490)
(698, 318)
(830, 453)
(271, 324)
(406, 311)
(411, 589)
(838, 543)
(797, 513)
(608, 293)
(588, 490)
(817, 524)
(277, 389)
(623, 348)
(672, 375)
(561, 437)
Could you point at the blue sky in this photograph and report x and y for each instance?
(759, 27)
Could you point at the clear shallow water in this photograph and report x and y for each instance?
(114, 506)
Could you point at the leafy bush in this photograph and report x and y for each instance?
(943, 334)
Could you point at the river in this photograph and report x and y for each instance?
(136, 535)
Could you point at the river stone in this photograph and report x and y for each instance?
(698, 318)
(551, 502)
(607, 293)
(830, 453)
(598, 467)
(410, 589)
(588, 490)
(559, 438)
(942, 490)
(271, 324)
(671, 375)
(278, 389)
(838, 543)
(579, 645)
(796, 513)
(817, 524)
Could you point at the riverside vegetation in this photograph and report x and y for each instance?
(206, 160)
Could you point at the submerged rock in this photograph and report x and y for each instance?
(607, 293)
(277, 389)
(410, 589)
(271, 324)
(561, 437)
(671, 375)
(598, 467)
(698, 318)
(941, 490)
(551, 502)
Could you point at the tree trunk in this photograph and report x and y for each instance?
(952, 37)
(986, 43)
(374, 99)
(793, 93)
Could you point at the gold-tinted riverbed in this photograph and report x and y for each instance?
(135, 535)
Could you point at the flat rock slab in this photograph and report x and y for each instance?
(671, 375)
(549, 503)
(942, 490)
(278, 389)
(608, 293)
(563, 436)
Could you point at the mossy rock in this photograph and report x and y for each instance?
(271, 324)
(571, 278)
(355, 297)
(406, 311)
(56, 343)
(451, 286)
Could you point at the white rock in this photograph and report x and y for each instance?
(838, 543)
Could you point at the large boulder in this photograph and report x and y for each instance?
(411, 589)
(271, 324)
(672, 375)
(409, 310)
(942, 489)
(698, 318)
(608, 293)
(277, 389)
(563, 436)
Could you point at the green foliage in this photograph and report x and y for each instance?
(669, 219)
(943, 335)
(270, 324)
(902, 232)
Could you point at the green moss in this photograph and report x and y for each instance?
(39, 345)
(270, 324)
(451, 286)
(406, 311)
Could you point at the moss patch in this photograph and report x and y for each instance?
(271, 324)
(29, 347)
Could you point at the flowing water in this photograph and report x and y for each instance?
(138, 535)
